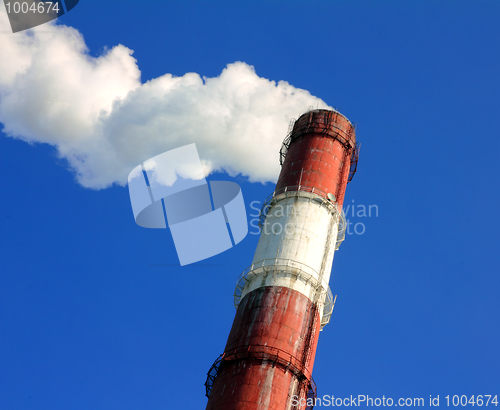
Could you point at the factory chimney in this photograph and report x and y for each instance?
(283, 299)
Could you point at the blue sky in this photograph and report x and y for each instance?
(95, 312)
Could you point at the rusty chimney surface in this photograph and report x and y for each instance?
(283, 299)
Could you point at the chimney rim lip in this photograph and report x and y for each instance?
(324, 110)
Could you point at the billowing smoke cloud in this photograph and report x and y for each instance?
(104, 121)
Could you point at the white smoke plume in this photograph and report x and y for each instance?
(104, 121)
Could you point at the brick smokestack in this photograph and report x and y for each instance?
(283, 299)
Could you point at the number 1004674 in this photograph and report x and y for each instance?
(38, 8)
(479, 400)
